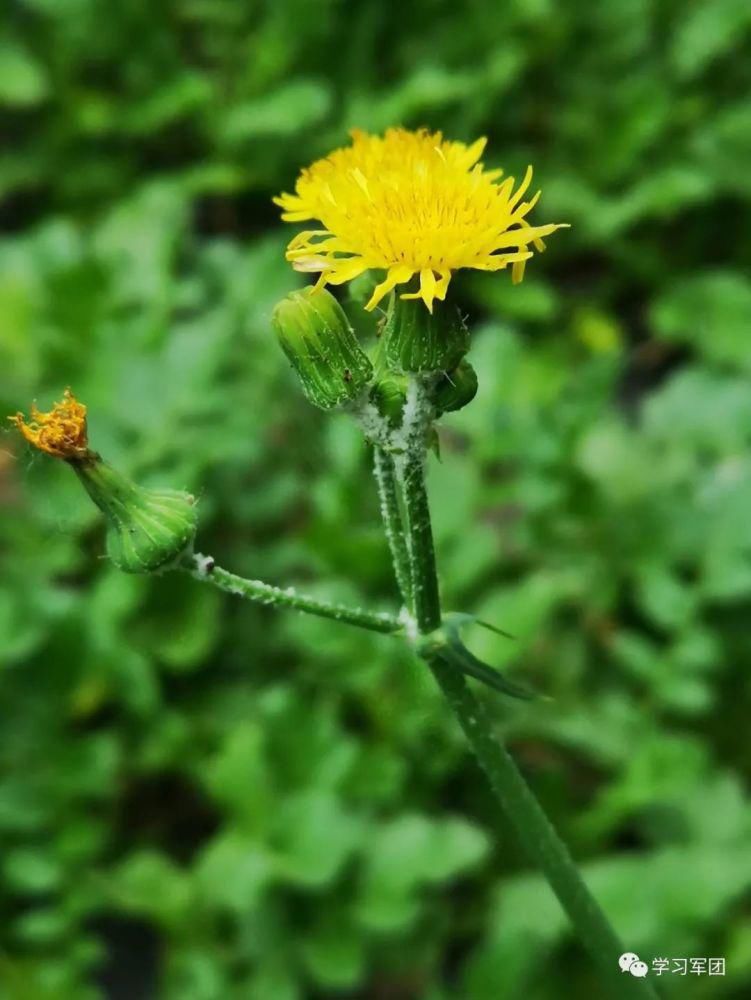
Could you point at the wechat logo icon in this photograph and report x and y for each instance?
(630, 962)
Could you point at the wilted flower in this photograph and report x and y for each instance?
(148, 530)
(61, 432)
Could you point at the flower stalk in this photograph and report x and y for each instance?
(204, 568)
(514, 795)
(418, 415)
(536, 832)
(388, 493)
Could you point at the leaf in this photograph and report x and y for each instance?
(296, 105)
(149, 883)
(183, 626)
(239, 775)
(712, 313)
(706, 32)
(315, 836)
(335, 952)
(43, 927)
(413, 850)
(668, 602)
(233, 872)
(22, 80)
(31, 871)
(681, 890)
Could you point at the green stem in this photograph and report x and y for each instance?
(385, 476)
(203, 568)
(535, 830)
(411, 468)
(514, 795)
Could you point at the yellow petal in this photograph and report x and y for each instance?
(527, 234)
(525, 207)
(296, 216)
(396, 276)
(474, 152)
(427, 288)
(304, 237)
(497, 262)
(345, 270)
(326, 248)
(504, 190)
(442, 285)
(426, 291)
(526, 181)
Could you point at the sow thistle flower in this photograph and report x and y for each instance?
(415, 206)
(61, 432)
(147, 530)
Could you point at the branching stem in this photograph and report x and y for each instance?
(203, 568)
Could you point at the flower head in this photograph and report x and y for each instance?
(148, 530)
(61, 432)
(410, 203)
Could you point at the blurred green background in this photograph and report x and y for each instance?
(201, 800)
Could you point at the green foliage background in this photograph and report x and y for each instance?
(201, 800)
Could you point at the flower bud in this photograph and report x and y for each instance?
(318, 340)
(456, 388)
(389, 396)
(148, 530)
(416, 340)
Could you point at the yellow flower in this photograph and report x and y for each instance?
(61, 432)
(409, 203)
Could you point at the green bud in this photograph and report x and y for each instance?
(147, 530)
(456, 388)
(317, 338)
(419, 341)
(389, 396)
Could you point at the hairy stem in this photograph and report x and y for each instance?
(417, 421)
(203, 568)
(535, 831)
(511, 790)
(385, 476)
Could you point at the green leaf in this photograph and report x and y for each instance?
(239, 777)
(42, 928)
(712, 313)
(23, 82)
(335, 952)
(150, 884)
(296, 105)
(233, 871)
(315, 837)
(31, 871)
(706, 32)
(664, 597)
(413, 849)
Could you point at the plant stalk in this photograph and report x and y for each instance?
(418, 416)
(517, 800)
(536, 832)
(204, 569)
(385, 476)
